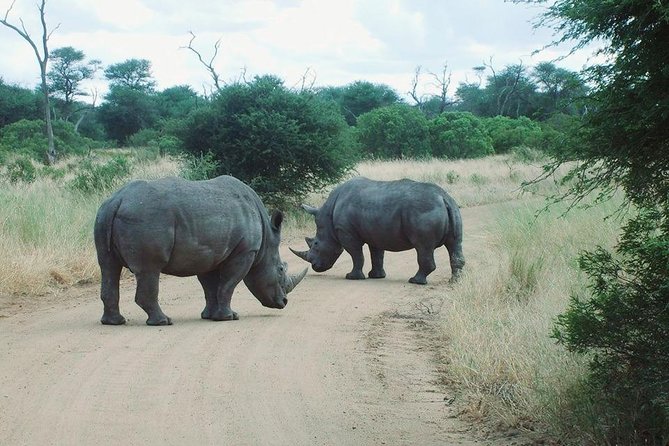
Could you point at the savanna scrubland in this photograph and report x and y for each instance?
(494, 325)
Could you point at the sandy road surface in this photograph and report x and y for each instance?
(345, 363)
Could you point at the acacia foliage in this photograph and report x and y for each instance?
(282, 143)
(623, 324)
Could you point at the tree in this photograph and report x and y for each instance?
(622, 323)
(18, 103)
(459, 135)
(394, 132)
(126, 111)
(560, 90)
(67, 72)
(132, 73)
(282, 143)
(360, 97)
(42, 60)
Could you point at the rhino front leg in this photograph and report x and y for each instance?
(209, 282)
(377, 271)
(146, 296)
(231, 273)
(358, 262)
(109, 293)
(425, 265)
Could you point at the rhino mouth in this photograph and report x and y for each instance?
(277, 304)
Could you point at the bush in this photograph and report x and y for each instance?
(281, 143)
(27, 138)
(93, 178)
(459, 135)
(624, 325)
(507, 133)
(21, 170)
(394, 132)
(200, 167)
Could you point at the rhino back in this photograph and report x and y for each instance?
(185, 227)
(392, 215)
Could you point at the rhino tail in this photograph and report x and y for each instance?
(104, 222)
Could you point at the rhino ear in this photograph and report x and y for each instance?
(310, 209)
(276, 220)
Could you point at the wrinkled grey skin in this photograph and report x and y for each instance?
(217, 230)
(387, 216)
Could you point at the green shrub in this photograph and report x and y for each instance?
(507, 133)
(623, 323)
(281, 143)
(93, 178)
(27, 138)
(459, 135)
(21, 170)
(200, 167)
(394, 132)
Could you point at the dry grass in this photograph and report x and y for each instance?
(499, 318)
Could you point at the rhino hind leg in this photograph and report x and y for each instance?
(457, 259)
(146, 296)
(425, 265)
(377, 271)
(109, 293)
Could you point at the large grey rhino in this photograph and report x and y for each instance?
(387, 216)
(217, 230)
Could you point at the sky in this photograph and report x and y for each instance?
(325, 42)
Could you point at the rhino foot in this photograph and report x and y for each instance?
(115, 319)
(224, 316)
(418, 280)
(377, 274)
(163, 320)
(355, 275)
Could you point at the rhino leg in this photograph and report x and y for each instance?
(358, 262)
(146, 296)
(210, 282)
(456, 257)
(231, 273)
(109, 293)
(377, 271)
(425, 265)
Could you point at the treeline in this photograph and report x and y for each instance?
(272, 136)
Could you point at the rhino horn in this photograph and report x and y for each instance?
(310, 209)
(309, 241)
(294, 279)
(301, 254)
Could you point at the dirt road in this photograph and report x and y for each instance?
(345, 363)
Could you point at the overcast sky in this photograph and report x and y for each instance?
(336, 41)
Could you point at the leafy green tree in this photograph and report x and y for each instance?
(134, 74)
(622, 324)
(459, 135)
(559, 90)
(360, 97)
(507, 133)
(283, 144)
(17, 103)
(68, 71)
(177, 102)
(396, 131)
(126, 111)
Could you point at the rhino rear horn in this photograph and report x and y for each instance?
(294, 279)
(301, 254)
(310, 209)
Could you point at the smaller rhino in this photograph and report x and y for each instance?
(387, 216)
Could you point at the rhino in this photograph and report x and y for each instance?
(387, 216)
(217, 230)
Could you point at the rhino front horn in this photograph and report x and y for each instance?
(301, 254)
(294, 279)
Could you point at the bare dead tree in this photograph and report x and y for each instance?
(442, 81)
(418, 99)
(307, 81)
(209, 65)
(42, 60)
(84, 110)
